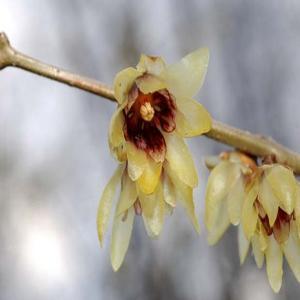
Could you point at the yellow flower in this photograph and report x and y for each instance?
(270, 221)
(225, 193)
(155, 112)
(265, 201)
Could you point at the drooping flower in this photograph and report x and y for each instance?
(265, 201)
(225, 192)
(155, 112)
(270, 221)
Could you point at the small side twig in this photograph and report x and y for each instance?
(242, 140)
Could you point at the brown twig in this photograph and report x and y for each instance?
(243, 140)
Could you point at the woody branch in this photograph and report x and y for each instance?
(254, 144)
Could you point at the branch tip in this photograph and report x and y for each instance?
(6, 51)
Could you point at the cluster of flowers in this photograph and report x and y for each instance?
(155, 112)
(264, 201)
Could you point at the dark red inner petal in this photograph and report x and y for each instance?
(266, 224)
(146, 135)
(164, 107)
(281, 227)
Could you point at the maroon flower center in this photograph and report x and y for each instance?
(281, 227)
(145, 117)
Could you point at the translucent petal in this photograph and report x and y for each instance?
(168, 209)
(235, 200)
(185, 196)
(191, 118)
(137, 161)
(283, 184)
(148, 202)
(148, 181)
(148, 83)
(243, 244)
(180, 159)
(249, 214)
(123, 83)
(257, 252)
(155, 223)
(186, 77)
(151, 64)
(219, 185)
(106, 200)
(128, 194)
(121, 235)
(268, 200)
(116, 136)
(274, 260)
(169, 191)
(291, 251)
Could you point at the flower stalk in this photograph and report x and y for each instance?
(253, 144)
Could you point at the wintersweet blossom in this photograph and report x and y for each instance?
(155, 112)
(264, 200)
(270, 222)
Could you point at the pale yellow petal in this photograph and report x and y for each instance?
(121, 235)
(268, 200)
(180, 159)
(155, 223)
(191, 117)
(148, 83)
(221, 224)
(291, 251)
(212, 161)
(116, 138)
(257, 252)
(106, 201)
(137, 161)
(151, 64)
(297, 208)
(186, 77)
(243, 244)
(219, 185)
(274, 259)
(169, 191)
(262, 237)
(148, 181)
(123, 83)
(148, 202)
(186, 199)
(249, 214)
(184, 195)
(283, 184)
(235, 200)
(128, 194)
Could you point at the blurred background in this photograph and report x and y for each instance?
(55, 161)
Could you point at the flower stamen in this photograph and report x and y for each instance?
(147, 111)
